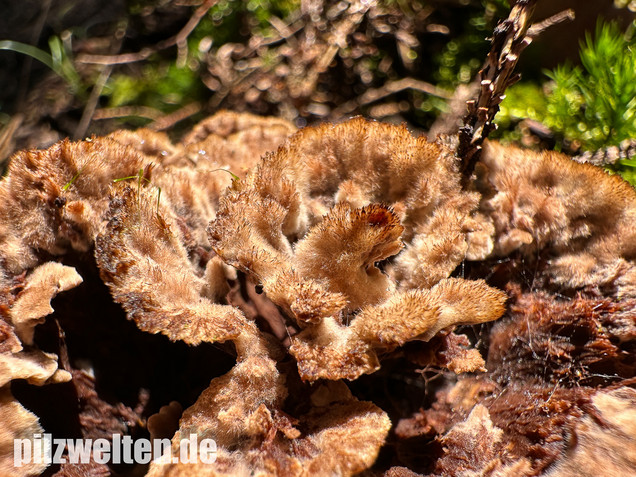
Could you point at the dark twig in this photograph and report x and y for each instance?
(6, 138)
(98, 87)
(390, 87)
(180, 40)
(91, 104)
(126, 111)
(509, 39)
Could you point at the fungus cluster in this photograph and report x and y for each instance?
(317, 255)
(575, 217)
(314, 222)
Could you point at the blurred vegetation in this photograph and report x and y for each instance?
(58, 60)
(166, 64)
(461, 57)
(305, 61)
(167, 85)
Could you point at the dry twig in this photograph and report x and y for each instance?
(165, 122)
(180, 40)
(510, 38)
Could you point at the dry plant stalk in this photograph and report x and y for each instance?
(509, 40)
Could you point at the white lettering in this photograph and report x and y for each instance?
(143, 451)
(207, 451)
(43, 449)
(60, 446)
(79, 450)
(21, 452)
(101, 451)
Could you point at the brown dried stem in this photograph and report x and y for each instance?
(372, 95)
(180, 40)
(509, 39)
(538, 28)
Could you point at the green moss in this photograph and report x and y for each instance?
(596, 104)
(589, 107)
(523, 100)
(164, 87)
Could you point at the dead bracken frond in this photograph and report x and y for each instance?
(509, 40)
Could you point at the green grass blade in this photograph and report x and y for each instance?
(31, 51)
(234, 176)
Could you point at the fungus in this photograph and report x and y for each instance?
(582, 340)
(146, 266)
(475, 445)
(312, 221)
(342, 436)
(53, 200)
(576, 215)
(607, 430)
(17, 423)
(321, 255)
(236, 140)
(32, 304)
(527, 430)
(318, 262)
(56, 201)
(144, 258)
(25, 309)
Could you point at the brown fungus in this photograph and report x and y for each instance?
(312, 221)
(29, 308)
(142, 259)
(53, 200)
(144, 263)
(576, 216)
(17, 423)
(32, 304)
(26, 309)
(546, 361)
(609, 429)
(57, 201)
(349, 236)
(341, 435)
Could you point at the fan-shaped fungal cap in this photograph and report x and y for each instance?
(29, 308)
(33, 303)
(547, 204)
(142, 258)
(312, 221)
